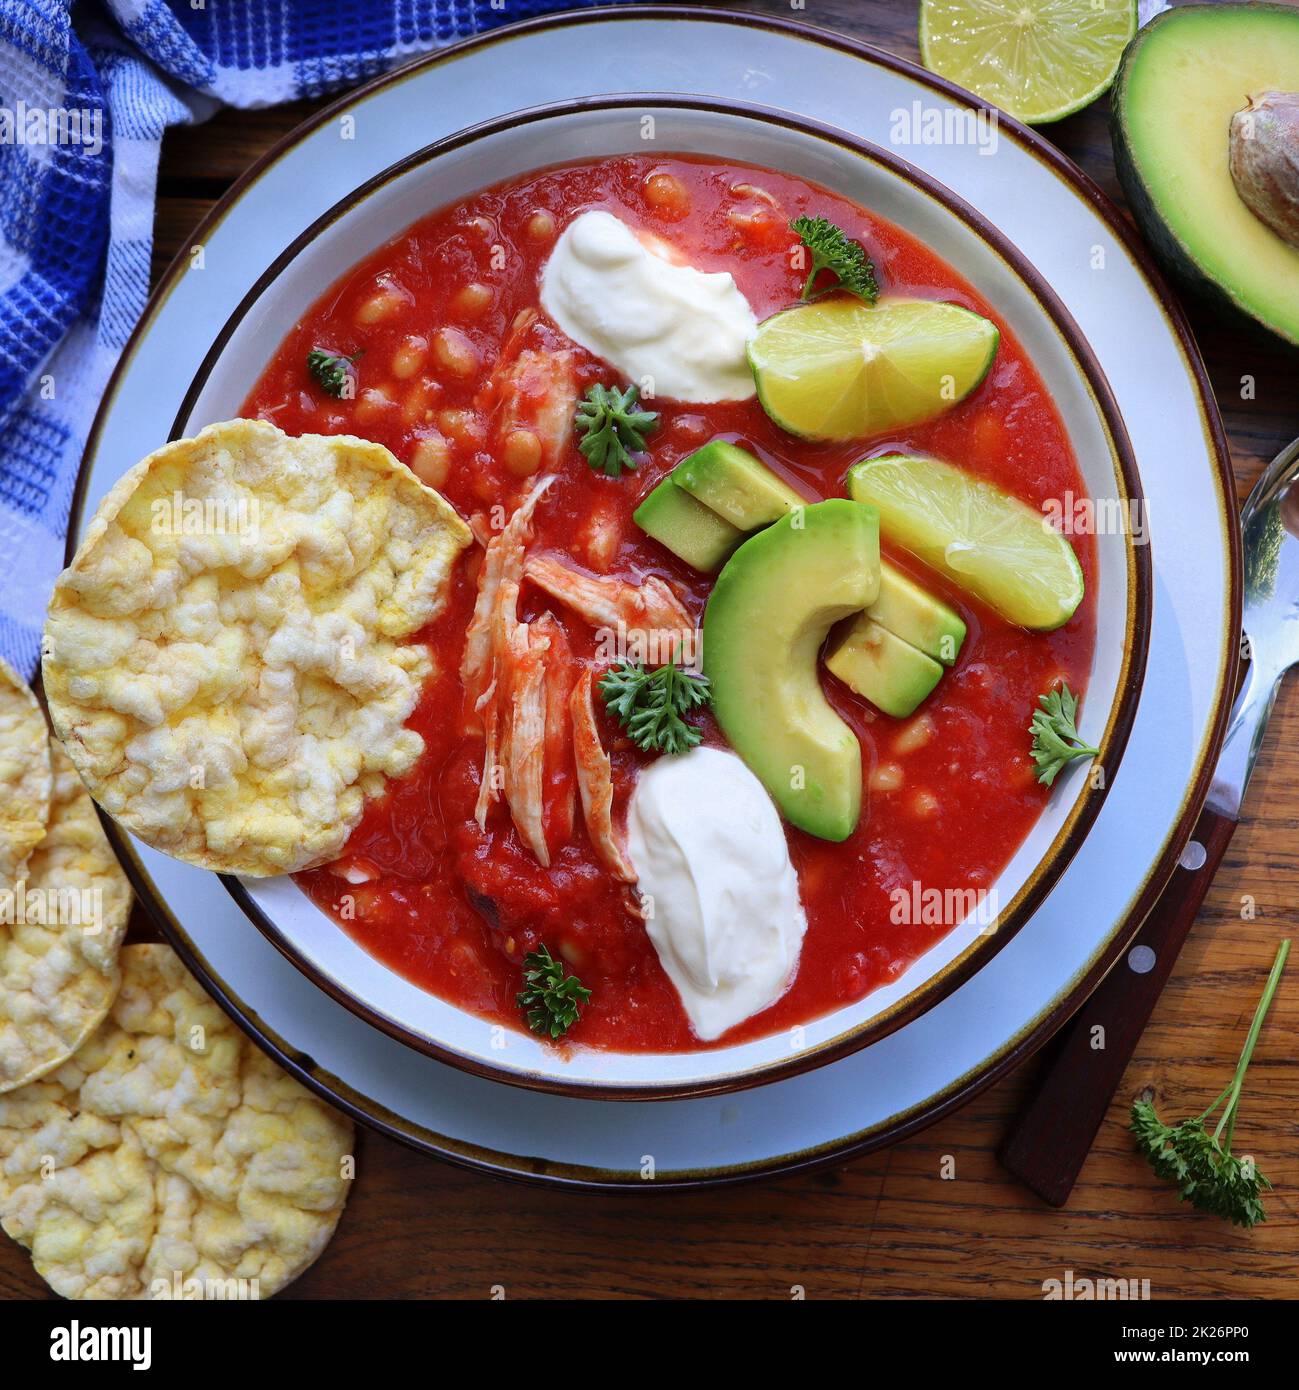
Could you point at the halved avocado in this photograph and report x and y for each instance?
(1181, 80)
(767, 617)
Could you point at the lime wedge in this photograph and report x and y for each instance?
(841, 369)
(994, 546)
(1037, 59)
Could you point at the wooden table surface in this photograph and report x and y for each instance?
(890, 1224)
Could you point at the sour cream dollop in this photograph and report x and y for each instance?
(654, 320)
(724, 911)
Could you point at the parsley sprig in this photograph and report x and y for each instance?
(649, 704)
(1202, 1165)
(549, 998)
(612, 428)
(330, 370)
(1055, 735)
(831, 249)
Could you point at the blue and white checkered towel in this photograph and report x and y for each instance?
(85, 95)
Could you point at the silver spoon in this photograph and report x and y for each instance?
(1054, 1131)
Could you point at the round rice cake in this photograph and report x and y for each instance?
(61, 927)
(170, 1155)
(26, 779)
(224, 658)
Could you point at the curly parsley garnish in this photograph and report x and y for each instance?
(613, 429)
(649, 704)
(1206, 1172)
(845, 259)
(1055, 735)
(549, 997)
(331, 371)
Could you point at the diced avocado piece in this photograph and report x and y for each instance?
(916, 616)
(688, 528)
(769, 613)
(735, 485)
(1182, 79)
(892, 674)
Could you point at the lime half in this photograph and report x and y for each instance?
(1037, 59)
(841, 369)
(994, 546)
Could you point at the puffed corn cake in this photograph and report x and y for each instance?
(62, 920)
(224, 658)
(26, 779)
(170, 1154)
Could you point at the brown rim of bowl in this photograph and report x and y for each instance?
(1020, 1045)
(1067, 840)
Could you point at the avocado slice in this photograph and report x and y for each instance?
(917, 617)
(1182, 79)
(735, 485)
(892, 674)
(688, 528)
(767, 617)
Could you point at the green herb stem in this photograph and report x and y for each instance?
(1201, 1165)
(1228, 1121)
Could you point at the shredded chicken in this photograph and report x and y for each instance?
(560, 790)
(650, 608)
(498, 672)
(524, 752)
(488, 787)
(539, 392)
(513, 345)
(508, 644)
(504, 556)
(595, 781)
(532, 389)
(598, 540)
(539, 727)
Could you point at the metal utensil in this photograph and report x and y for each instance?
(1054, 1131)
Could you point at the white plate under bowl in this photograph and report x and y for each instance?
(1094, 262)
(521, 143)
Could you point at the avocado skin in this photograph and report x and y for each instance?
(1163, 238)
(766, 621)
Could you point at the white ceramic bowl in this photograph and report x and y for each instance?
(485, 155)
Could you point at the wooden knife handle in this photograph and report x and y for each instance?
(1050, 1139)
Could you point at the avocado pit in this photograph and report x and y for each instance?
(1264, 160)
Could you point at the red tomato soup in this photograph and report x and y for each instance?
(949, 793)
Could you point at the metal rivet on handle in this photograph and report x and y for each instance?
(1141, 960)
(1193, 856)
